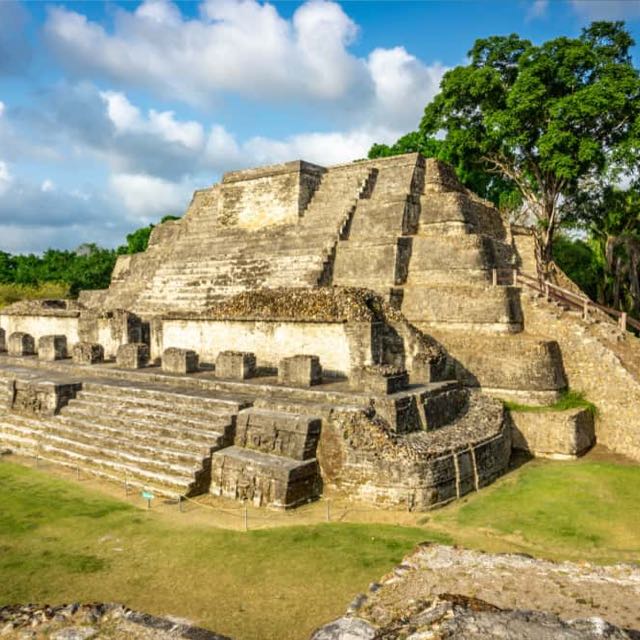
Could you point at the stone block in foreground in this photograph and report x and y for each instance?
(179, 361)
(21, 344)
(553, 434)
(134, 355)
(300, 371)
(51, 348)
(235, 365)
(263, 479)
(87, 353)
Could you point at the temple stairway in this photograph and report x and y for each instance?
(211, 262)
(431, 248)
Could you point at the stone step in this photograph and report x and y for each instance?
(160, 412)
(149, 425)
(179, 452)
(103, 450)
(169, 484)
(179, 399)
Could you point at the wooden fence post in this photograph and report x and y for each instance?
(585, 310)
(622, 321)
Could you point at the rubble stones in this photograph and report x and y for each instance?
(134, 355)
(97, 620)
(51, 348)
(300, 371)
(21, 344)
(87, 353)
(180, 361)
(457, 617)
(235, 365)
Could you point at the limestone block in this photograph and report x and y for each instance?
(21, 344)
(265, 480)
(179, 361)
(300, 371)
(87, 353)
(43, 397)
(3, 340)
(381, 379)
(553, 434)
(283, 434)
(237, 365)
(52, 347)
(134, 355)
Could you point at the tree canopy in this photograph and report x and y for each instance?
(88, 267)
(544, 117)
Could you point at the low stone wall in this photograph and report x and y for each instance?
(518, 366)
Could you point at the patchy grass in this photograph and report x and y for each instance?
(10, 293)
(568, 400)
(582, 510)
(60, 543)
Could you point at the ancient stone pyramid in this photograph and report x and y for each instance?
(300, 330)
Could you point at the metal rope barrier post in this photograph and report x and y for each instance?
(515, 277)
(494, 277)
(585, 309)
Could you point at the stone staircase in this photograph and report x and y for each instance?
(211, 263)
(149, 436)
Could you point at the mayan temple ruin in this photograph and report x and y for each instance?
(305, 330)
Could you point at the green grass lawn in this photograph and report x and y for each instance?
(581, 510)
(60, 542)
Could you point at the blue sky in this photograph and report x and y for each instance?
(111, 113)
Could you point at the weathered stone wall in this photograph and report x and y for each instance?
(270, 341)
(273, 195)
(592, 355)
(39, 325)
(360, 455)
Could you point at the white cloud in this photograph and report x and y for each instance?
(607, 9)
(5, 177)
(246, 48)
(47, 185)
(148, 197)
(127, 118)
(403, 85)
(537, 9)
(2, 108)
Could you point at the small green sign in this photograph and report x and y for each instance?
(148, 495)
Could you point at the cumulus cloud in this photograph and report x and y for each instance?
(607, 9)
(149, 197)
(247, 48)
(235, 45)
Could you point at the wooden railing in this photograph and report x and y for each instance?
(552, 291)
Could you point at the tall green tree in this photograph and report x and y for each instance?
(542, 117)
